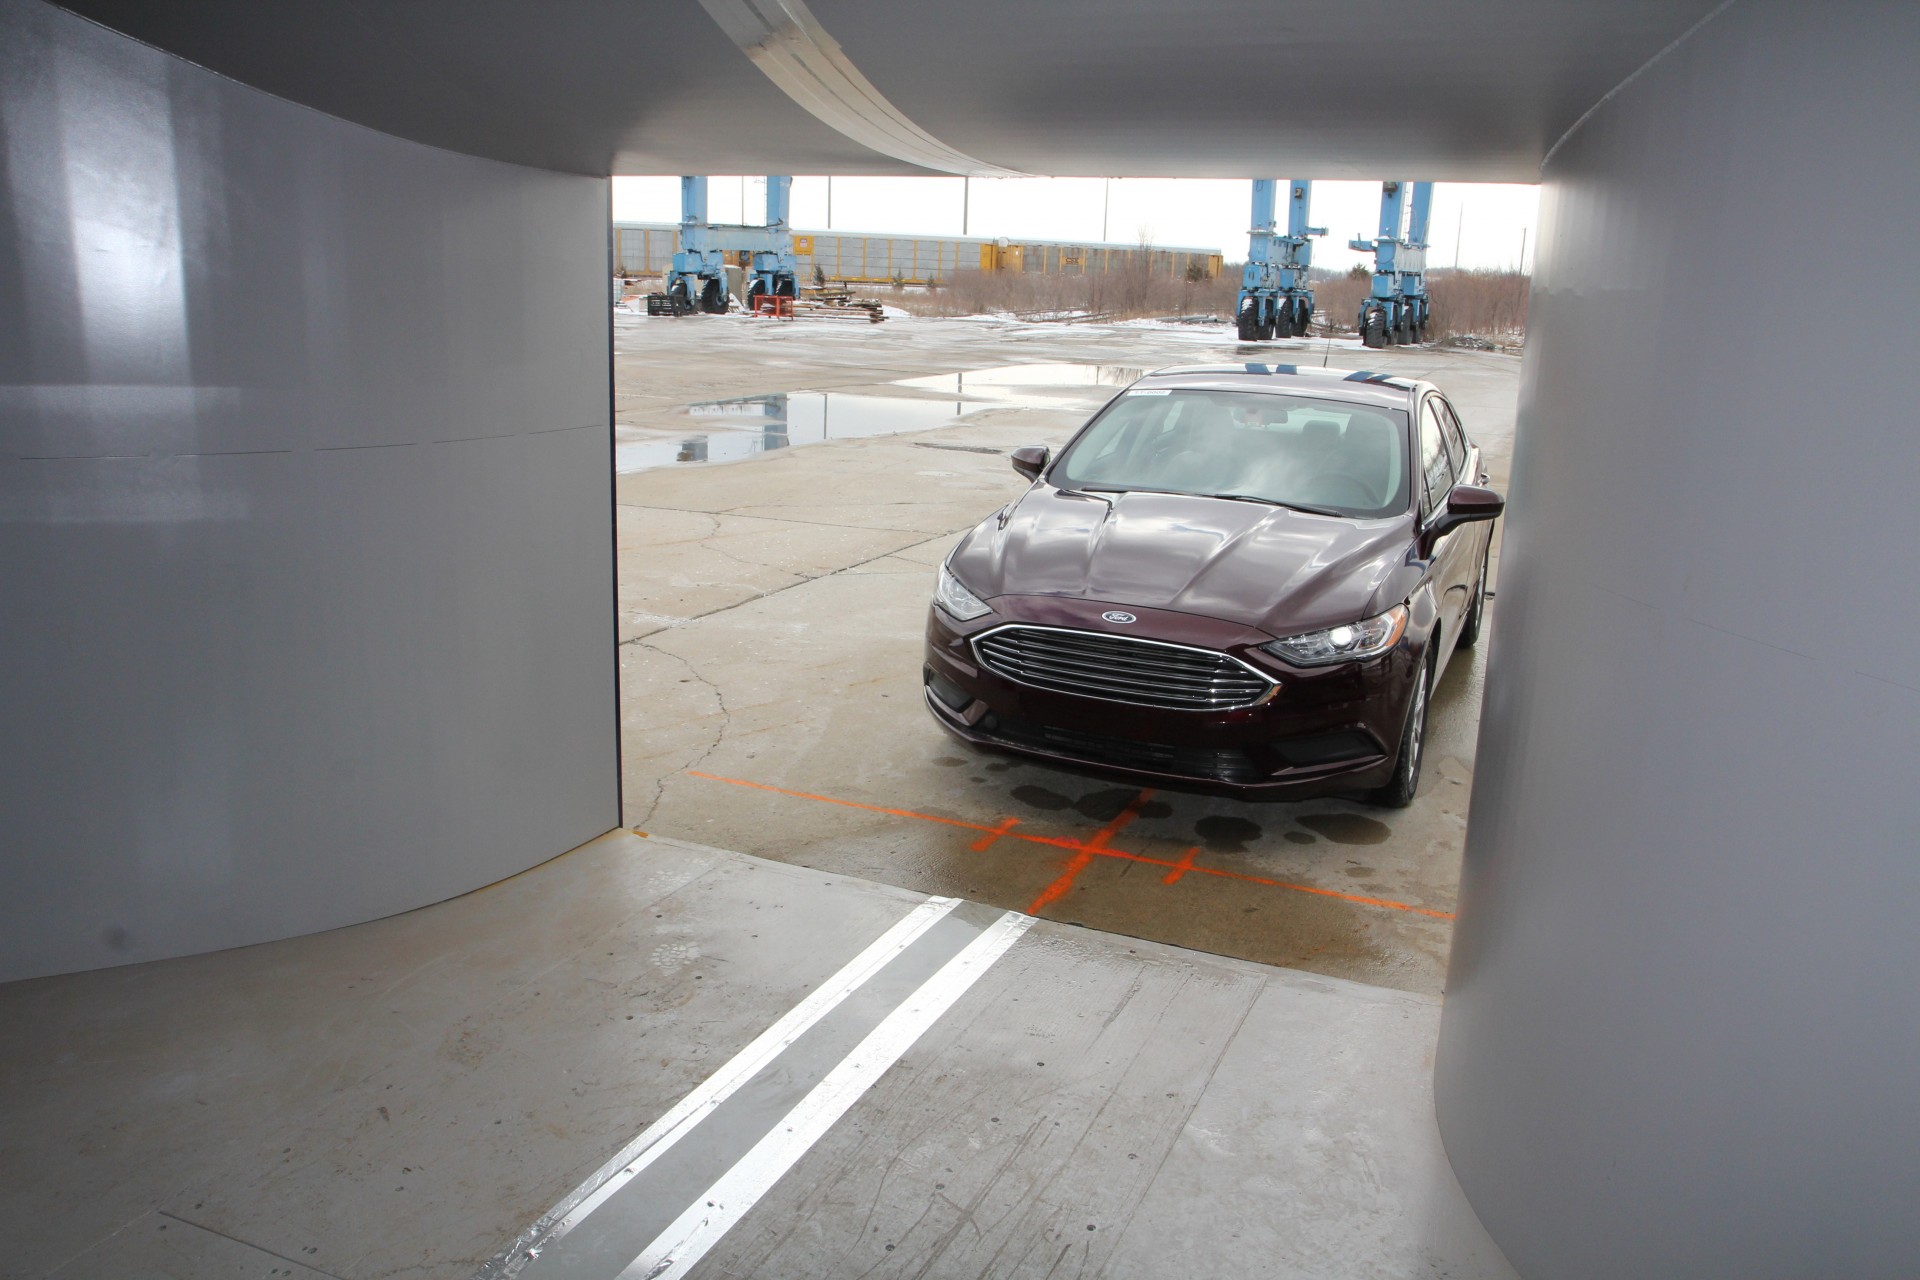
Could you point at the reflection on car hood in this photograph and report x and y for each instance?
(1272, 568)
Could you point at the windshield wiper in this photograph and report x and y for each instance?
(1096, 490)
(1134, 488)
(1092, 495)
(1099, 492)
(1275, 502)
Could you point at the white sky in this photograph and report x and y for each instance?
(1487, 222)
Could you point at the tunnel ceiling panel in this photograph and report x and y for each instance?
(582, 86)
(1459, 89)
(1462, 90)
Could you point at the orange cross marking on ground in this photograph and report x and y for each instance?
(1182, 867)
(1004, 831)
(1083, 857)
(986, 841)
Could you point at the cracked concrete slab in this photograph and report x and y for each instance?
(676, 565)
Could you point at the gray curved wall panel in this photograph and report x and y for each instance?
(1683, 1020)
(304, 511)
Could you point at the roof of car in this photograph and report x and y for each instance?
(1351, 385)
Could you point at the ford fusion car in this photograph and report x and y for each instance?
(1243, 580)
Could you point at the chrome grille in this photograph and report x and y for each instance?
(1121, 669)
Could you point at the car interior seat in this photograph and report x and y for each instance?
(1367, 454)
(1206, 460)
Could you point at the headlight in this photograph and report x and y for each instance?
(1346, 643)
(950, 594)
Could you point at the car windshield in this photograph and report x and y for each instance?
(1314, 455)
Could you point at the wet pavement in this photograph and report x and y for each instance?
(728, 430)
(771, 618)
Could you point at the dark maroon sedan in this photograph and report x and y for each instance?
(1243, 580)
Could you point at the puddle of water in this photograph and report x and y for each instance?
(740, 427)
(1020, 382)
(728, 430)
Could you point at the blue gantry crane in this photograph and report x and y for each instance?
(773, 266)
(698, 276)
(1275, 299)
(1397, 310)
(697, 280)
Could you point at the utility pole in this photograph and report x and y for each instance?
(1523, 251)
(966, 204)
(829, 202)
(1459, 228)
(1106, 206)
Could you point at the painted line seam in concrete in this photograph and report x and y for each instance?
(715, 1211)
(663, 1133)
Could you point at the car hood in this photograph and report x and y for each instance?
(1272, 568)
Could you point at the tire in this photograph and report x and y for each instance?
(1470, 626)
(1374, 334)
(1399, 790)
(1249, 323)
(754, 294)
(677, 298)
(712, 300)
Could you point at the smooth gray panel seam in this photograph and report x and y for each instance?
(1639, 71)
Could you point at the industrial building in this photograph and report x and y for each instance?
(852, 257)
(450, 830)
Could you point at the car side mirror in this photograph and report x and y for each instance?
(1466, 504)
(1030, 461)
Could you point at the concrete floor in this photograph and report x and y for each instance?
(423, 1096)
(771, 613)
(409, 1097)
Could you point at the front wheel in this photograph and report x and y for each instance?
(1398, 792)
(1470, 627)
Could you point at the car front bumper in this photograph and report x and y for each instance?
(1323, 731)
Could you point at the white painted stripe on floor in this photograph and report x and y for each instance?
(723, 1204)
(659, 1136)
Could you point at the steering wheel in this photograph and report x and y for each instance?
(1337, 489)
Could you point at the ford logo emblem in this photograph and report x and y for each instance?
(1115, 615)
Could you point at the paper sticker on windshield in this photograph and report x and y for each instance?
(1163, 392)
